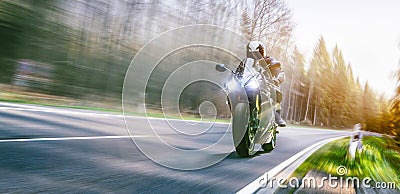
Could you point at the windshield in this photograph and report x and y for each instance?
(252, 70)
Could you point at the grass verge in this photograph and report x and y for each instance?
(378, 160)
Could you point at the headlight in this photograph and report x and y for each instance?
(253, 84)
(231, 85)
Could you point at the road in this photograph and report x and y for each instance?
(57, 150)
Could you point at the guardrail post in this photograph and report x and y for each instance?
(355, 141)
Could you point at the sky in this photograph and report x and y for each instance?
(367, 32)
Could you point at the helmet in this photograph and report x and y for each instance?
(256, 50)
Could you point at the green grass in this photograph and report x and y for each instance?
(379, 160)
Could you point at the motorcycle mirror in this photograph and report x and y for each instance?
(220, 67)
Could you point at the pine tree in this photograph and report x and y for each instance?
(320, 76)
(246, 25)
(339, 91)
(354, 98)
(395, 108)
(370, 109)
(296, 79)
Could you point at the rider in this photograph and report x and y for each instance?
(275, 68)
(278, 75)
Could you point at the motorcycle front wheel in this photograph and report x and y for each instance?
(244, 137)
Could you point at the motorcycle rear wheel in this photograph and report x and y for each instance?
(271, 145)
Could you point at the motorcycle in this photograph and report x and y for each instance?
(251, 96)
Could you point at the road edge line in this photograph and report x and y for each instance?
(69, 138)
(255, 185)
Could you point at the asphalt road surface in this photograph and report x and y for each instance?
(56, 150)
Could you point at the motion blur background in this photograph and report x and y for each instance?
(76, 53)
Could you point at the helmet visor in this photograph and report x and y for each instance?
(255, 55)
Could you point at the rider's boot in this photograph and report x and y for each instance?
(278, 119)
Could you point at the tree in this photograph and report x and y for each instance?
(294, 102)
(269, 21)
(340, 111)
(246, 25)
(333, 95)
(395, 108)
(370, 109)
(354, 98)
(320, 75)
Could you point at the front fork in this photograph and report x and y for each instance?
(255, 110)
(254, 101)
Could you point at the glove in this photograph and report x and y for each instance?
(269, 60)
(276, 82)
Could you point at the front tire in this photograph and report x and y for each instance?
(246, 146)
(244, 143)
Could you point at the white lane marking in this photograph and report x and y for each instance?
(20, 107)
(69, 138)
(255, 185)
(59, 111)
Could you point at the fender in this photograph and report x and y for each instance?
(240, 118)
